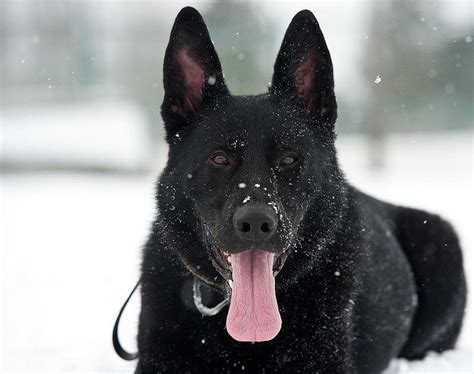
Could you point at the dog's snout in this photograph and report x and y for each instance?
(255, 223)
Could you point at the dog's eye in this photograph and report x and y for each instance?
(288, 160)
(220, 159)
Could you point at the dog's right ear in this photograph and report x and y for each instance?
(192, 73)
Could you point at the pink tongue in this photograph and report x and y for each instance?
(253, 313)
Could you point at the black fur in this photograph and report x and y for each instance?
(364, 281)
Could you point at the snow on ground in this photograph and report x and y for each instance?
(71, 243)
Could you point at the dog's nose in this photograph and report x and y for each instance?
(255, 223)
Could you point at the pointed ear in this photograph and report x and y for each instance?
(192, 73)
(303, 69)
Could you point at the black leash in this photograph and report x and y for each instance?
(205, 311)
(115, 339)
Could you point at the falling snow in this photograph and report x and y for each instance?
(211, 80)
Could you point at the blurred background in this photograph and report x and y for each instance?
(82, 142)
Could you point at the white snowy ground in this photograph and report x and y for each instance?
(70, 248)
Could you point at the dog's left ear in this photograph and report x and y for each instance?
(192, 73)
(303, 69)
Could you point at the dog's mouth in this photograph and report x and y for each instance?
(223, 264)
(253, 314)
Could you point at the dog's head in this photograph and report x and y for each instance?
(248, 168)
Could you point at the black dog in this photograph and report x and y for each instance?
(252, 188)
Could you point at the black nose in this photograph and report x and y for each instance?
(255, 223)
